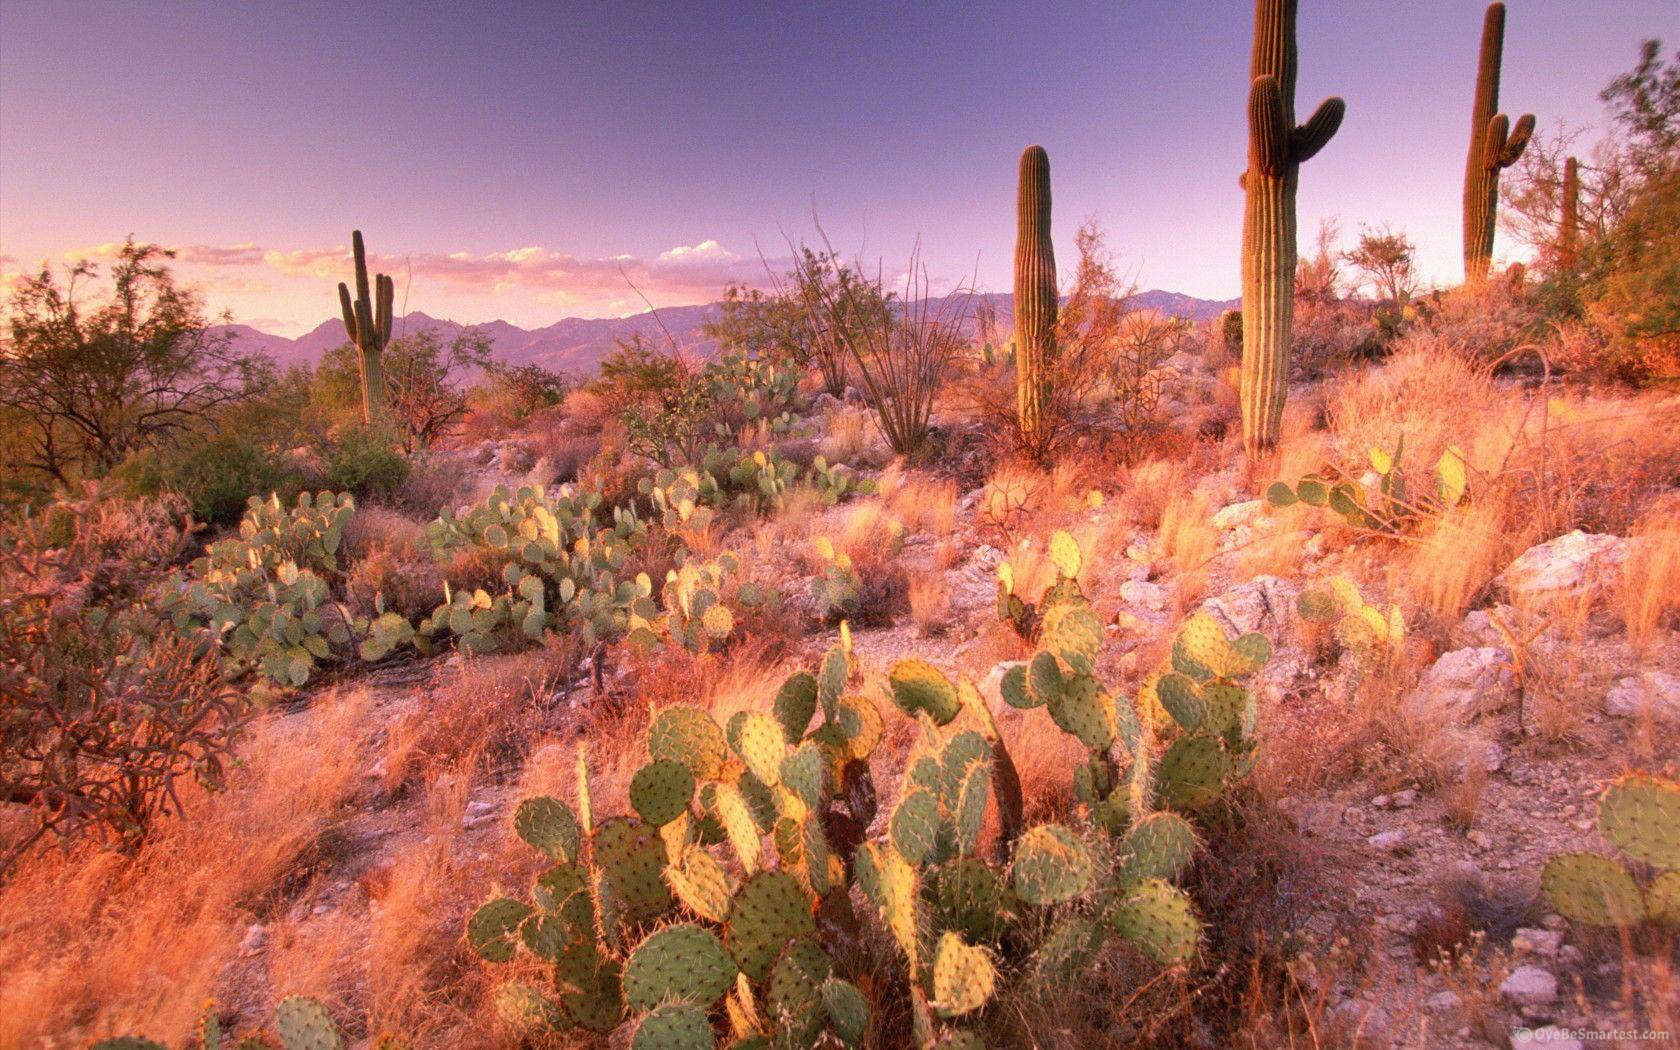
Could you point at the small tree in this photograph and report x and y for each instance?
(1387, 262)
(829, 308)
(90, 384)
(424, 396)
(765, 326)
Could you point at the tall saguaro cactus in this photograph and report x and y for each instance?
(1569, 226)
(1494, 145)
(1276, 148)
(368, 323)
(1035, 296)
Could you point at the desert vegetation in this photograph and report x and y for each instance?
(890, 675)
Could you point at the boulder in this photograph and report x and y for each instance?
(1565, 565)
(1462, 685)
(1656, 693)
(1529, 986)
(1265, 604)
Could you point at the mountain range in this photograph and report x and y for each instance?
(576, 345)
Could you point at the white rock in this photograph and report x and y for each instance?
(1461, 685)
(1529, 986)
(1387, 839)
(1151, 596)
(1405, 799)
(1443, 1002)
(1653, 692)
(255, 938)
(1236, 522)
(1531, 941)
(1263, 604)
(1569, 562)
(1550, 1036)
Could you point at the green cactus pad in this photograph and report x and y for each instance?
(888, 882)
(1641, 815)
(682, 962)
(1157, 847)
(848, 1011)
(630, 858)
(761, 745)
(963, 977)
(1157, 917)
(794, 994)
(689, 736)
(1067, 953)
(304, 1024)
(548, 826)
(739, 826)
(832, 677)
(526, 1010)
(795, 704)
(967, 896)
(769, 910)
(1179, 696)
(556, 886)
(128, 1042)
(1015, 690)
(700, 883)
(1315, 606)
(968, 807)
(1248, 654)
(914, 827)
(1592, 888)
(1192, 772)
(661, 791)
(860, 723)
(1084, 709)
(589, 986)
(1045, 678)
(490, 929)
(1064, 554)
(804, 772)
(1051, 865)
(919, 686)
(674, 1026)
(1073, 632)
(1662, 899)
(960, 752)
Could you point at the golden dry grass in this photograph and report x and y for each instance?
(1650, 586)
(930, 603)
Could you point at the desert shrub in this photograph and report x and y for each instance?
(514, 393)
(424, 396)
(363, 461)
(1635, 296)
(106, 708)
(672, 425)
(963, 919)
(215, 475)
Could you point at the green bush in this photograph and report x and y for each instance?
(214, 475)
(364, 461)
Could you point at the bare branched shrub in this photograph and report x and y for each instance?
(105, 708)
(902, 354)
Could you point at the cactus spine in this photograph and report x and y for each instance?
(1276, 148)
(1494, 145)
(1035, 296)
(1569, 227)
(367, 321)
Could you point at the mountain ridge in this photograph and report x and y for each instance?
(577, 345)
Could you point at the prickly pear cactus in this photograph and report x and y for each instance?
(1640, 816)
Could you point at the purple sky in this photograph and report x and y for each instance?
(509, 159)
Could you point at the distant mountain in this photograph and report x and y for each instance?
(577, 345)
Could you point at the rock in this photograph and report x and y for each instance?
(1479, 839)
(513, 458)
(1568, 563)
(1656, 693)
(986, 556)
(1531, 941)
(1380, 802)
(1263, 604)
(1151, 596)
(1386, 839)
(1320, 818)
(1477, 627)
(255, 937)
(1461, 685)
(991, 687)
(1236, 522)
(485, 454)
(854, 396)
(1443, 1002)
(1550, 1036)
(1529, 986)
(824, 402)
(1405, 799)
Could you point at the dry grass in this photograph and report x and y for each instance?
(1456, 558)
(140, 942)
(930, 603)
(1187, 540)
(926, 506)
(1146, 489)
(1650, 591)
(848, 434)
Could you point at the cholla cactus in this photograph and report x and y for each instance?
(1640, 816)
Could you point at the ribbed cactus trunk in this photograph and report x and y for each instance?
(1035, 298)
(1569, 226)
(1494, 145)
(367, 321)
(1276, 148)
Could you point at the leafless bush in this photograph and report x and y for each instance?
(105, 707)
(902, 354)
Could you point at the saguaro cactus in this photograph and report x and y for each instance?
(1494, 144)
(368, 323)
(1035, 296)
(1569, 226)
(1276, 148)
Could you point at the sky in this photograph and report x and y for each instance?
(529, 161)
